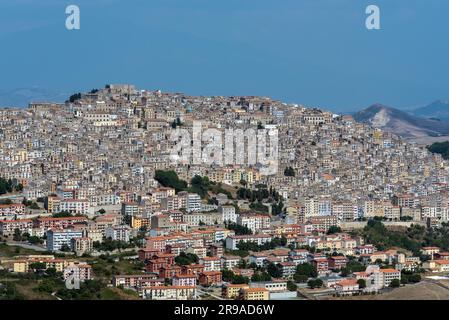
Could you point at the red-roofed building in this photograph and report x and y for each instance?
(321, 265)
(210, 278)
(347, 287)
(337, 262)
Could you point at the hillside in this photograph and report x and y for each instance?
(438, 109)
(401, 123)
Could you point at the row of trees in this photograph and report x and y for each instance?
(238, 229)
(198, 184)
(262, 194)
(413, 239)
(186, 258)
(30, 204)
(253, 246)
(110, 245)
(170, 179)
(230, 276)
(377, 234)
(259, 194)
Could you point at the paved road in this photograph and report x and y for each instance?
(12, 196)
(26, 246)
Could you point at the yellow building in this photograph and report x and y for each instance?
(139, 222)
(232, 291)
(255, 294)
(21, 266)
(53, 204)
(236, 176)
(216, 176)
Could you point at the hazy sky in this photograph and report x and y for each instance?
(314, 52)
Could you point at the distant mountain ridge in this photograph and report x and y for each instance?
(401, 123)
(21, 97)
(438, 109)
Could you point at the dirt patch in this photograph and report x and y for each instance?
(426, 290)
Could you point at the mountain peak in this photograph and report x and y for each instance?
(400, 122)
(438, 109)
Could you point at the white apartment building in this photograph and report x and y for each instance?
(169, 292)
(193, 202)
(233, 241)
(120, 233)
(57, 238)
(211, 263)
(196, 219)
(254, 222)
(228, 213)
(184, 280)
(78, 271)
(74, 206)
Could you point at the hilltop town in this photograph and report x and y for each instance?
(93, 206)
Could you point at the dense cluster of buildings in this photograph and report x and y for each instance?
(94, 160)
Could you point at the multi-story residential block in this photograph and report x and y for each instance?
(81, 245)
(8, 227)
(255, 294)
(78, 271)
(211, 263)
(9, 211)
(193, 202)
(182, 280)
(56, 238)
(74, 206)
(169, 293)
(254, 222)
(120, 233)
(228, 213)
(233, 241)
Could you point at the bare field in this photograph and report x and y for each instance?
(425, 290)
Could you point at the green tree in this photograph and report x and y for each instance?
(17, 236)
(289, 172)
(300, 278)
(170, 179)
(238, 229)
(186, 259)
(37, 266)
(362, 283)
(291, 286)
(306, 269)
(274, 270)
(34, 206)
(65, 248)
(333, 229)
(395, 283)
(315, 283)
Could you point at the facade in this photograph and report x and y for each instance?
(8, 227)
(78, 271)
(228, 213)
(57, 238)
(233, 241)
(255, 294)
(120, 233)
(169, 293)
